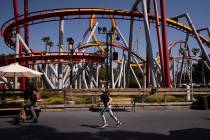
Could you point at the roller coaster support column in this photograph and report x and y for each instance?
(20, 50)
(174, 73)
(110, 61)
(165, 44)
(149, 44)
(148, 6)
(17, 55)
(127, 74)
(61, 34)
(15, 6)
(127, 70)
(183, 53)
(160, 45)
(203, 73)
(107, 61)
(148, 75)
(26, 32)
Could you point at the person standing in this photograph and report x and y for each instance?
(30, 100)
(106, 100)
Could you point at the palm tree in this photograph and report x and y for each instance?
(46, 40)
(50, 44)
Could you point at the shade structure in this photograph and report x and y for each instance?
(15, 69)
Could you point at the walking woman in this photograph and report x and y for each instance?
(106, 100)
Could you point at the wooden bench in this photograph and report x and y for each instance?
(118, 104)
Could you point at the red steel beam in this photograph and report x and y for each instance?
(26, 29)
(52, 56)
(160, 45)
(16, 15)
(165, 44)
(26, 33)
(147, 56)
(15, 6)
(148, 6)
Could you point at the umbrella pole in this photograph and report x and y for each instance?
(15, 84)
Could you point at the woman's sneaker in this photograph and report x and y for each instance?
(35, 120)
(118, 124)
(105, 125)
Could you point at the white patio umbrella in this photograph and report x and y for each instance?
(15, 69)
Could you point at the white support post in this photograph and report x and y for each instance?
(138, 66)
(83, 37)
(112, 76)
(121, 73)
(145, 79)
(65, 78)
(48, 82)
(80, 81)
(91, 34)
(188, 93)
(84, 79)
(75, 84)
(97, 76)
(174, 73)
(135, 77)
(16, 55)
(124, 81)
(60, 66)
(23, 43)
(149, 44)
(121, 37)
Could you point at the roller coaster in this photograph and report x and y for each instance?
(82, 66)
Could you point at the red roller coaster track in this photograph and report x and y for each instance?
(79, 13)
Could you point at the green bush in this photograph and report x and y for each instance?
(160, 98)
(155, 98)
(89, 100)
(180, 98)
(54, 100)
(79, 100)
(170, 98)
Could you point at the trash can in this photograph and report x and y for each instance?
(202, 103)
(205, 102)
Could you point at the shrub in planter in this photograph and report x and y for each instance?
(76, 99)
(54, 100)
(171, 98)
(160, 98)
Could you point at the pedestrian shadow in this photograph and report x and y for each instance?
(40, 132)
(208, 119)
(90, 126)
(21, 122)
(96, 126)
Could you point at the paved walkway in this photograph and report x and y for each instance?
(140, 125)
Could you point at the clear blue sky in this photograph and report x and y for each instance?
(198, 10)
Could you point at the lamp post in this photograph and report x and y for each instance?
(109, 56)
(103, 30)
(70, 41)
